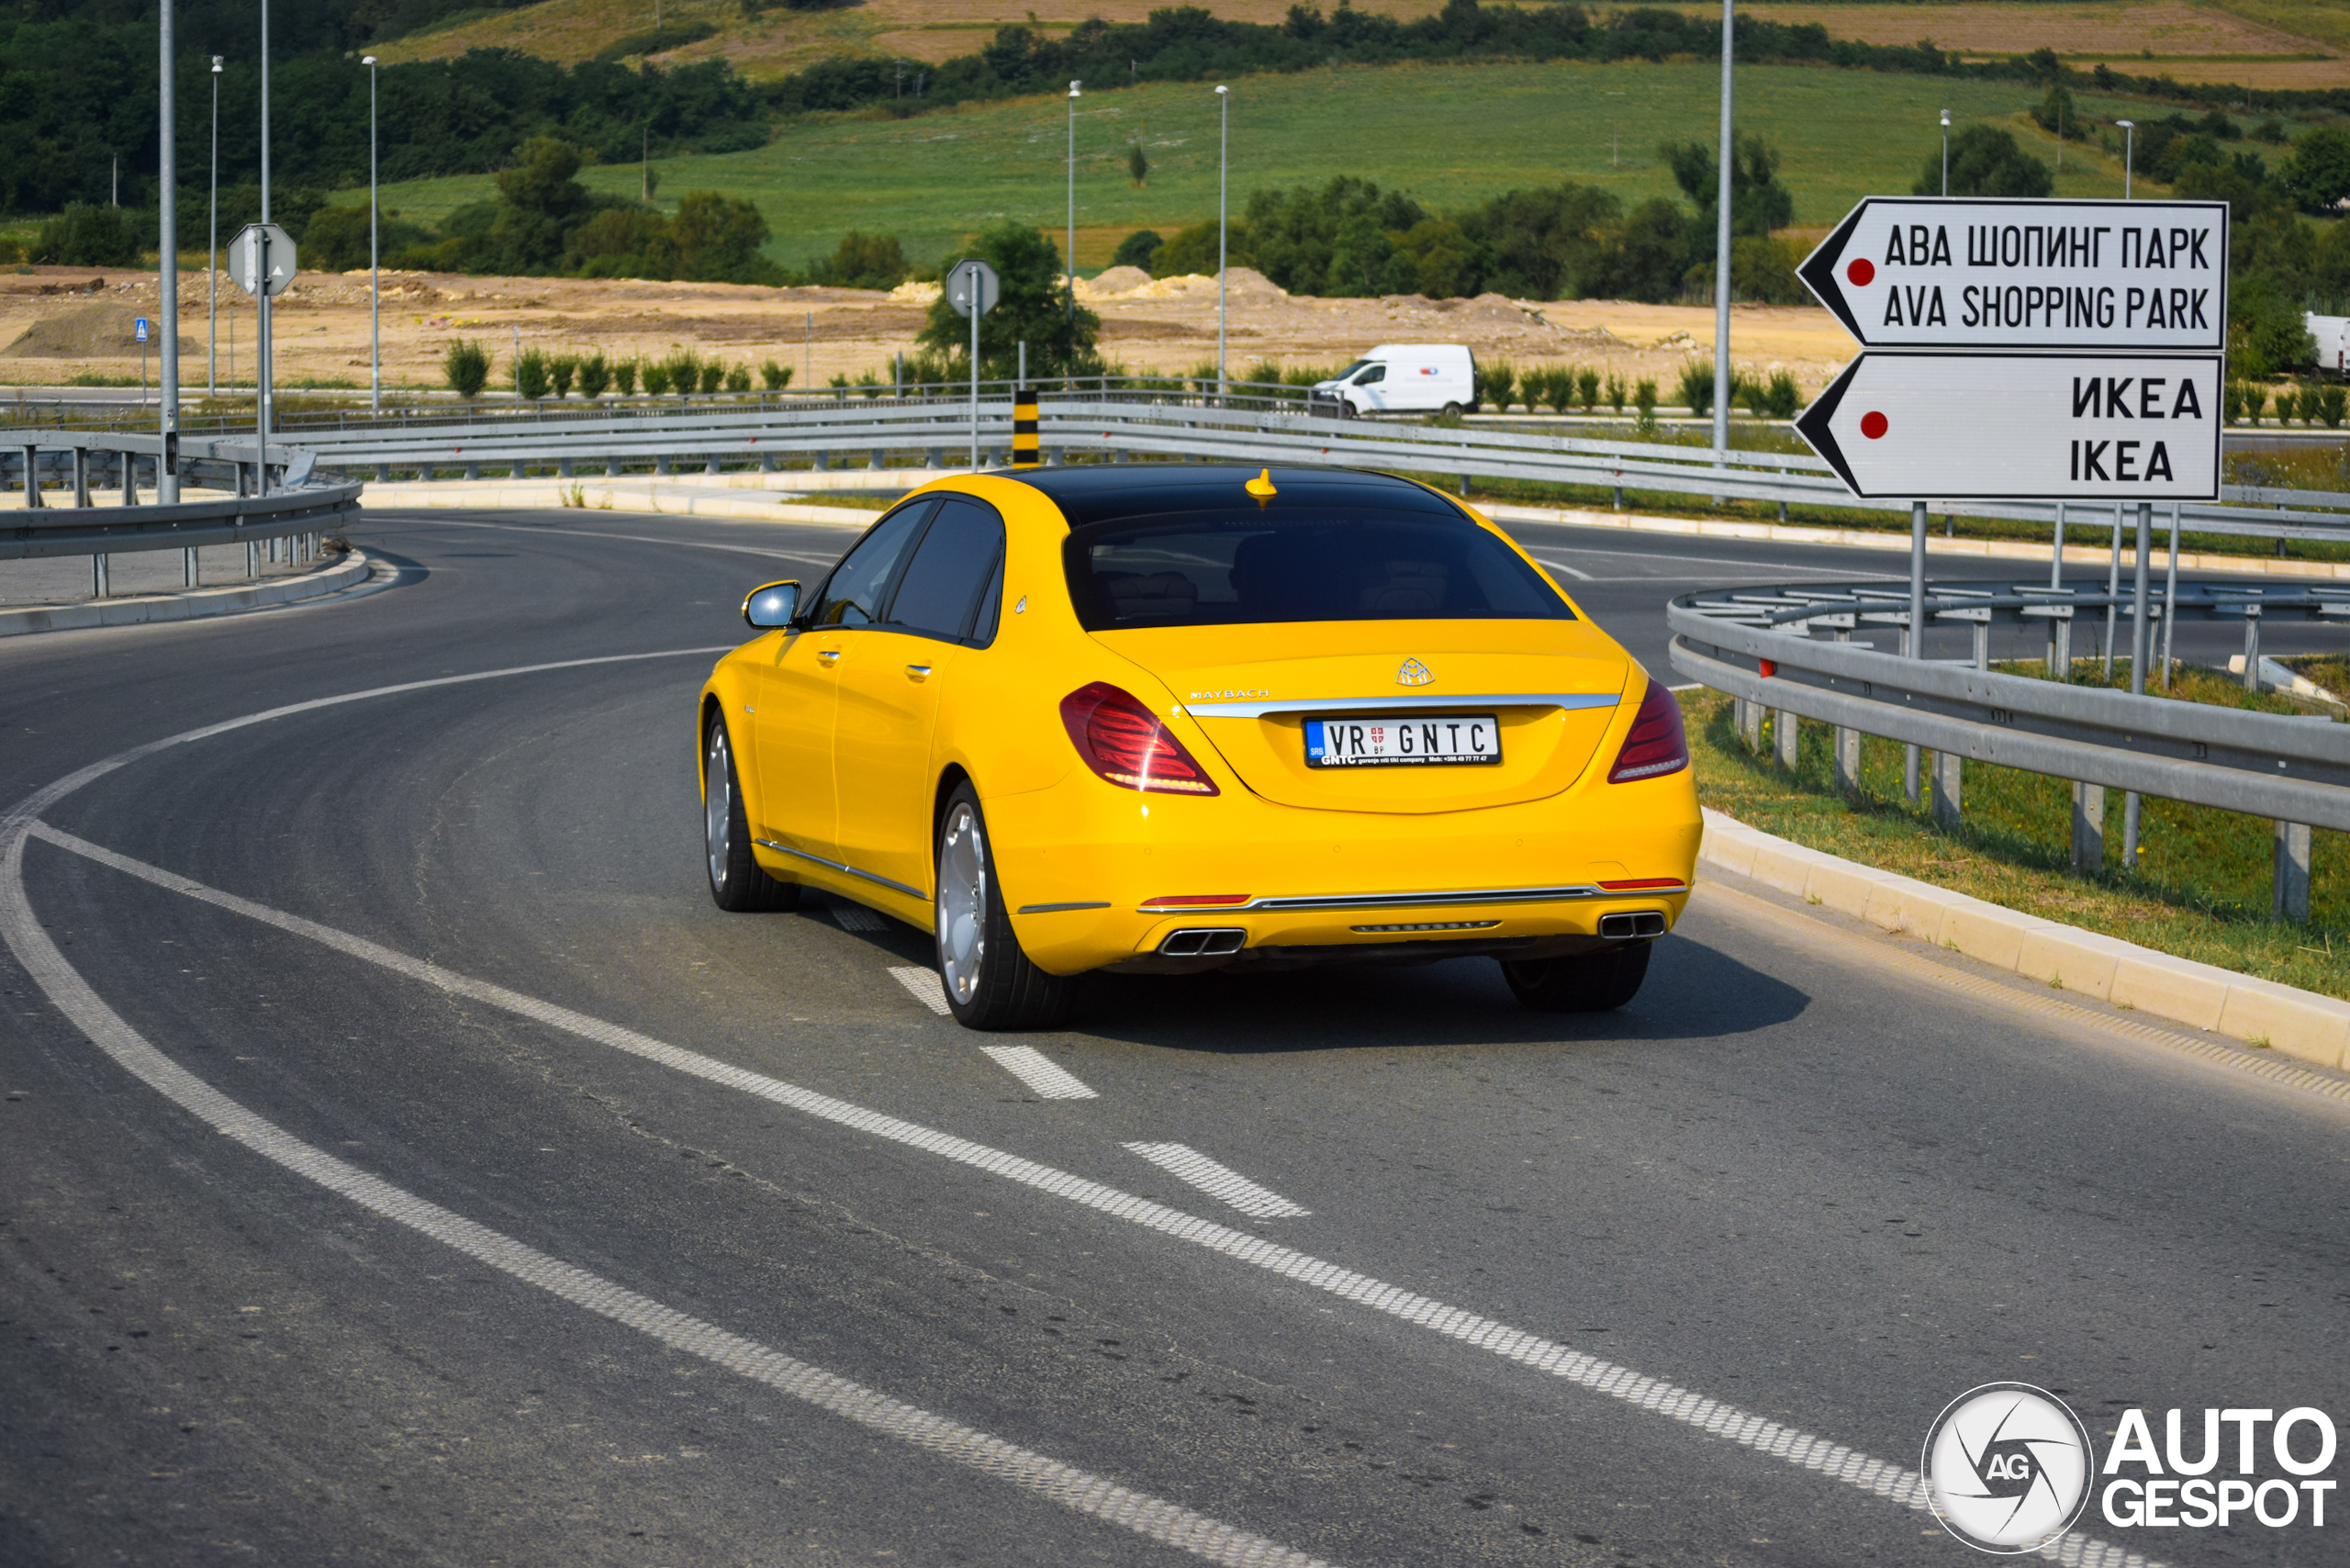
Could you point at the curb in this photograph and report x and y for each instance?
(668, 500)
(2292, 1022)
(1868, 538)
(198, 605)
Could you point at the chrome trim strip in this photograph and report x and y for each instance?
(1567, 699)
(837, 865)
(1410, 901)
(1056, 908)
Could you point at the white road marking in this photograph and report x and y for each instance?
(66, 989)
(1777, 568)
(1038, 1072)
(856, 917)
(1217, 1182)
(1563, 566)
(1064, 1484)
(812, 560)
(925, 985)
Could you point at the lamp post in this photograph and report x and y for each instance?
(167, 224)
(1222, 185)
(375, 258)
(212, 306)
(2129, 151)
(261, 296)
(1945, 153)
(1069, 360)
(1721, 260)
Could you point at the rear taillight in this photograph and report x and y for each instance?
(1124, 743)
(1656, 745)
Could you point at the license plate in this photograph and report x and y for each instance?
(1347, 741)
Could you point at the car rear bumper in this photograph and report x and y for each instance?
(1089, 872)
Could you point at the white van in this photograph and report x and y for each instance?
(2332, 335)
(1415, 378)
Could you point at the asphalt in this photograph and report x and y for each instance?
(1790, 1177)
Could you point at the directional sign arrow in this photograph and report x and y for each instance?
(2022, 426)
(1931, 272)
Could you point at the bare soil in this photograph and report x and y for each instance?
(1159, 326)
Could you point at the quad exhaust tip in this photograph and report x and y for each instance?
(1633, 926)
(1205, 942)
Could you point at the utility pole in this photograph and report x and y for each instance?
(1721, 262)
(1069, 362)
(262, 395)
(167, 466)
(374, 255)
(212, 306)
(1223, 224)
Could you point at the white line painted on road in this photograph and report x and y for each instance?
(812, 560)
(1038, 1072)
(1563, 566)
(62, 983)
(925, 984)
(1064, 1484)
(1218, 1182)
(1772, 567)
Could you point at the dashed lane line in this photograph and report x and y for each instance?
(1219, 1182)
(924, 986)
(1838, 1463)
(1048, 1079)
(1065, 1483)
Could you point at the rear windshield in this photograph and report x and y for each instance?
(1234, 566)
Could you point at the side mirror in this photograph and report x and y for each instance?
(772, 606)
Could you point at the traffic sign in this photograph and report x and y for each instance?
(973, 280)
(139, 328)
(246, 252)
(1933, 272)
(2018, 426)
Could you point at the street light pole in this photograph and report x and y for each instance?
(1721, 259)
(2129, 153)
(1069, 362)
(375, 251)
(167, 216)
(1223, 186)
(212, 306)
(1945, 153)
(261, 294)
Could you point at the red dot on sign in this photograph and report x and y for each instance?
(1872, 424)
(1862, 273)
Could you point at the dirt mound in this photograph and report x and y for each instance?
(1116, 280)
(92, 331)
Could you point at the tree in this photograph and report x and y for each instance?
(88, 235)
(719, 238)
(2317, 174)
(1032, 308)
(540, 203)
(1331, 241)
(1985, 161)
(1193, 250)
(1758, 202)
(1138, 164)
(1137, 249)
(2054, 114)
(863, 261)
(1546, 243)
(1647, 257)
(467, 365)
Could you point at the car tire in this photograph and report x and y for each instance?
(1588, 982)
(1453, 411)
(990, 982)
(738, 884)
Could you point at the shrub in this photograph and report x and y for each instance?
(738, 379)
(1587, 389)
(624, 375)
(1264, 372)
(87, 235)
(2331, 404)
(1696, 386)
(1616, 392)
(777, 376)
(2255, 397)
(595, 376)
(1137, 249)
(1785, 398)
(657, 378)
(1497, 383)
(1755, 396)
(467, 365)
(2288, 405)
(713, 376)
(685, 371)
(530, 374)
(869, 385)
(1644, 399)
(561, 371)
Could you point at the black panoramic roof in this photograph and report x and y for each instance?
(1099, 493)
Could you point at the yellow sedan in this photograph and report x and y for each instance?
(1157, 719)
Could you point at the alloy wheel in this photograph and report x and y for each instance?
(962, 903)
(717, 808)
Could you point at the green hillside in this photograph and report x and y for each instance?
(1450, 135)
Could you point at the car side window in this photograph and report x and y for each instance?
(950, 571)
(1377, 373)
(859, 586)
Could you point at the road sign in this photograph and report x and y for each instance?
(245, 253)
(2014, 426)
(1930, 272)
(139, 328)
(971, 280)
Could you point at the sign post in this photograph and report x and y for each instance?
(138, 330)
(260, 260)
(972, 288)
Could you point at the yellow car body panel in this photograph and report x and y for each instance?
(1351, 858)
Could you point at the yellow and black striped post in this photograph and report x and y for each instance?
(1023, 429)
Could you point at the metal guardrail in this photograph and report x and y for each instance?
(1756, 645)
(298, 508)
(1129, 423)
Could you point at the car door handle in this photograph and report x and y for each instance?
(917, 672)
(828, 655)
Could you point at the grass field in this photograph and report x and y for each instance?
(1450, 135)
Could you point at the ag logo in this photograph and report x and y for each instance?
(2007, 1468)
(1413, 673)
